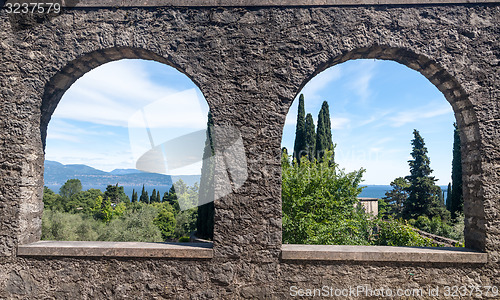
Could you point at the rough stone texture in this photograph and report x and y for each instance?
(249, 63)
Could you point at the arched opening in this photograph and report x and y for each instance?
(124, 146)
(346, 123)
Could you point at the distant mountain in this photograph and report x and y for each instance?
(56, 174)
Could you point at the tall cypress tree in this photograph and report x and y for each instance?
(171, 198)
(448, 197)
(457, 199)
(423, 193)
(206, 210)
(134, 196)
(153, 197)
(324, 131)
(299, 147)
(144, 195)
(310, 137)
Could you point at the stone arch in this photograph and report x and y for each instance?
(467, 121)
(57, 86)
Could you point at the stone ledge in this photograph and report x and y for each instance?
(382, 254)
(248, 3)
(117, 249)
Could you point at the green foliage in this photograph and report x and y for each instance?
(51, 200)
(310, 137)
(70, 187)
(184, 239)
(438, 227)
(324, 132)
(144, 196)
(165, 221)
(456, 200)
(135, 226)
(171, 198)
(396, 197)
(135, 197)
(115, 194)
(83, 201)
(423, 193)
(299, 146)
(88, 215)
(206, 211)
(153, 198)
(448, 197)
(396, 233)
(62, 226)
(319, 204)
(186, 222)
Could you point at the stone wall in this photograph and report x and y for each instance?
(249, 62)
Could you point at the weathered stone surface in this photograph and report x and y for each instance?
(382, 253)
(249, 62)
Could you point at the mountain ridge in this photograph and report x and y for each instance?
(56, 174)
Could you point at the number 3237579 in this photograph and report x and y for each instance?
(33, 8)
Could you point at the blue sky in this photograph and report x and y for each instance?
(374, 106)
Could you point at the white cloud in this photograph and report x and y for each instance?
(112, 93)
(360, 85)
(321, 81)
(339, 123)
(420, 113)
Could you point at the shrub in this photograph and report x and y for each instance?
(396, 233)
(184, 239)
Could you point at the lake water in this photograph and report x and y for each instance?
(370, 191)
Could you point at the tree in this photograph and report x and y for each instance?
(299, 147)
(310, 137)
(165, 221)
(153, 197)
(397, 196)
(448, 197)
(171, 198)
(423, 193)
(134, 196)
(324, 132)
(319, 204)
(206, 211)
(457, 199)
(144, 196)
(70, 187)
(52, 200)
(83, 201)
(115, 194)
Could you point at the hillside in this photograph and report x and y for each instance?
(56, 174)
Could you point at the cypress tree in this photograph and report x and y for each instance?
(441, 198)
(423, 193)
(134, 196)
(457, 200)
(153, 197)
(158, 198)
(310, 137)
(206, 211)
(324, 131)
(448, 197)
(172, 199)
(299, 147)
(144, 195)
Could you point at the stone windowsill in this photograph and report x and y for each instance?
(117, 249)
(382, 254)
